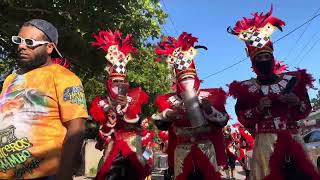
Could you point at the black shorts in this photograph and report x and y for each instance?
(231, 162)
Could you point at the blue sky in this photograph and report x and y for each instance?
(209, 19)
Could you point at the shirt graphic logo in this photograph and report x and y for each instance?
(75, 95)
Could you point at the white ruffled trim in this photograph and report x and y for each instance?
(107, 134)
(134, 120)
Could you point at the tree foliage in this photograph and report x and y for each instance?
(76, 20)
(153, 77)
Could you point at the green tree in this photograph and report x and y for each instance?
(76, 20)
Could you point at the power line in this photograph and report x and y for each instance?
(174, 27)
(297, 28)
(300, 36)
(220, 71)
(238, 62)
(165, 30)
(313, 45)
(305, 46)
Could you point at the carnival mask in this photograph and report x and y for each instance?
(263, 67)
(187, 84)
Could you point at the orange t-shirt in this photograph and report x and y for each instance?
(33, 108)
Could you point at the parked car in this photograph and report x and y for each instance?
(312, 145)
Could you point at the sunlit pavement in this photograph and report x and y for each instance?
(82, 178)
(238, 173)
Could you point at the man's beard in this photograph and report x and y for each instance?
(39, 60)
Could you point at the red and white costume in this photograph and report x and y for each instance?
(277, 152)
(153, 139)
(120, 126)
(246, 143)
(232, 149)
(191, 148)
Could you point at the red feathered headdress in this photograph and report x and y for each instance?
(280, 67)
(179, 53)
(118, 51)
(256, 32)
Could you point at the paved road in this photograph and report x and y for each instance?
(82, 178)
(239, 174)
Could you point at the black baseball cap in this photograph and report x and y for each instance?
(49, 30)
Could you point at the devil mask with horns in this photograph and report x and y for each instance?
(256, 32)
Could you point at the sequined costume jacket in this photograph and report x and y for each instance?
(188, 146)
(275, 128)
(124, 134)
(279, 115)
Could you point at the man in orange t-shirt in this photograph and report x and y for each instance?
(42, 110)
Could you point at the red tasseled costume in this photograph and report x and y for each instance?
(147, 137)
(121, 136)
(238, 91)
(162, 103)
(236, 88)
(120, 141)
(218, 99)
(286, 145)
(96, 111)
(217, 140)
(139, 97)
(247, 137)
(249, 100)
(305, 78)
(121, 146)
(200, 160)
(163, 135)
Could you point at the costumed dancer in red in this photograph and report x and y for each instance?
(232, 151)
(271, 104)
(153, 139)
(118, 113)
(194, 116)
(246, 143)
